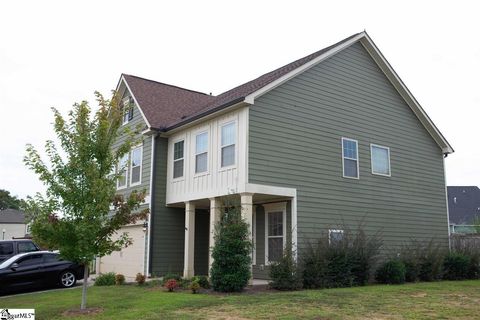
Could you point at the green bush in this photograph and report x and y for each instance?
(423, 260)
(169, 276)
(202, 281)
(105, 279)
(194, 286)
(284, 273)
(343, 263)
(456, 266)
(464, 245)
(391, 272)
(119, 279)
(231, 253)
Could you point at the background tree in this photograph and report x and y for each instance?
(231, 253)
(7, 201)
(80, 213)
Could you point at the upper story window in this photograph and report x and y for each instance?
(122, 170)
(380, 160)
(178, 159)
(136, 166)
(201, 152)
(228, 138)
(350, 158)
(127, 110)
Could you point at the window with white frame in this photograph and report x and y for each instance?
(201, 152)
(178, 159)
(335, 236)
(275, 232)
(350, 158)
(136, 166)
(122, 170)
(228, 138)
(380, 160)
(127, 110)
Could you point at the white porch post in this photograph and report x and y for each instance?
(189, 252)
(215, 207)
(246, 201)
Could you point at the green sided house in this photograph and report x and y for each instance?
(334, 136)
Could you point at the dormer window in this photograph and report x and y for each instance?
(127, 110)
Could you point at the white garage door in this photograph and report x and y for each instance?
(129, 261)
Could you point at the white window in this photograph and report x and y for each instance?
(178, 159)
(127, 110)
(136, 166)
(275, 231)
(335, 236)
(122, 169)
(380, 160)
(350, 158)
(201, 152)
(228, 133)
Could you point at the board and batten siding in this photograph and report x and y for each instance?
(295, 134)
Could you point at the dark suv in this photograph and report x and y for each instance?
(9, 248)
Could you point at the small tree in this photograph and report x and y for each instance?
(80, 213)
(231, 253)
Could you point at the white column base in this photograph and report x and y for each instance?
(215, 211)
(246, 201)
(189, 252)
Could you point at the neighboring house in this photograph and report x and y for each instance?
(463, 208)
(332, 137)
(12, 224)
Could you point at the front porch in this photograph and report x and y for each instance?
(270, 219)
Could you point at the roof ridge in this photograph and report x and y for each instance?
(167, 84)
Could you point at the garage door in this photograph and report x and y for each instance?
(129, 261)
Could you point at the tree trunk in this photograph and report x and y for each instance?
(84, 288)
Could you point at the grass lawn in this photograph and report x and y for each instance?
(437, 300)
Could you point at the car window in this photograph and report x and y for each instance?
(26, 247)
(6, 248)
(51, 257)
(30, 260)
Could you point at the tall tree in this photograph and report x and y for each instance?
(7, 201)
(81, 212)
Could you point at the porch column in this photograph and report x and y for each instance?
(189, 240)
(215, 207)
(246, 201)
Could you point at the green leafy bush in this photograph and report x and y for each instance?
(456, 266)
(423, 260)
(391, 272)
(119, 279)
(194, 286)
(169, 276)
(468, 246)
(231, 253)
(343, 263)
(284, 273)
(140, 279)
(105, 279)
(202, 281)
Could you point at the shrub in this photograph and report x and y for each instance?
(169, 276)
(202, 281)
(391, 272)
(469, 247)
(345, 262)
(423, 261)
(119, 279)
(456, 266)
(171, 285)
(284, 273)
(140, 279)
(231, 253)
(194, 286)
(105, 279)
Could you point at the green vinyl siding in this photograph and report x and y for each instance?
(295, 134)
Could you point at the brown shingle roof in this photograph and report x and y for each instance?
(167, 107)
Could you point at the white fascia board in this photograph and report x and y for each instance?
(122, 80)
(251, 97)
(387, 69)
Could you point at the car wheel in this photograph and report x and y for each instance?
(67, 279)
